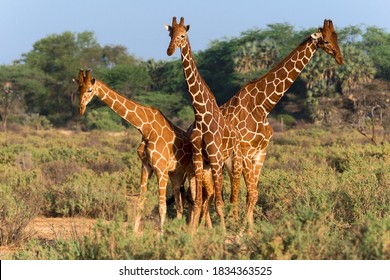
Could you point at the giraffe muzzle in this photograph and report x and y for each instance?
(339, 59)
(82, 110)
(170, 51)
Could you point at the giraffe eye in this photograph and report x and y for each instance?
(182, 36)
(90, 90)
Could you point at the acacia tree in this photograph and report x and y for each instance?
(60, 56)
(216, 65)
(376, 42)
(18, 83)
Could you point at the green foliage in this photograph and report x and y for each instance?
(20, 203)
(114, 240)
(376, 41)
(186, 116)
(62, 176)
(166, 76)
(43, 83)
(288, 120)
(357, 70)
(168, 104)
(59, 57)
(38, 122)
(318, 203)
(322, 195)
(128, 79)
(216, 65)
(19, 84)
(87, 194)
(103, 118)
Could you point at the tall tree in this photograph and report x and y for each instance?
(216, 65)
(18, 83)
(376, 42)
(60, 56)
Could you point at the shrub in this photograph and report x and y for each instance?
(186, 116)
(87, 194)
(38, 122)
(20, 203)
(288, 120)
(115, 240)
(322, 195)
(103, 118)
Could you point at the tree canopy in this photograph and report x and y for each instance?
(40, 83)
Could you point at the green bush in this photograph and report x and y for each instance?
(20, 202)
(186, 116)
(87, 194)
(322, 195)
(288, 120)
(38, 122)
(103, 118)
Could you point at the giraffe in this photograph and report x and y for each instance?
(165, 148)
(247, 111)
(214, 141)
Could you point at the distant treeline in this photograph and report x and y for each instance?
(38, 89)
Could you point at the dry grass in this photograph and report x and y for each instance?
(323, 194)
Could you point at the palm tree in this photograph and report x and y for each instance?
(357, 70)
(255, 56)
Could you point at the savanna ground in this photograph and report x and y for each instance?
(324, 194)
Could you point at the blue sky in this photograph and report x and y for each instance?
(139, 25)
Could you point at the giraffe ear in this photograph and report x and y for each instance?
(167, 27)
(93, 81)
(187, 27)
(75, 81)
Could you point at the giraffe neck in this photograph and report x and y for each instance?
(134, 113)
(279, 79)
(198, 89)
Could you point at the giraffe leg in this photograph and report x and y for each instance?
(177, 182)
(235, 169)
(197, 161)
(251, 191)
(198, 197)
(191, 191)
(254, 172)
(162, 177)
(235, 181)
(208, 187)
(228, 165)
(216, 169)
(206, 212)
(146, 173)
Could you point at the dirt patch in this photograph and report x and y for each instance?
(50, 229)
(55, 228)
(66, 132)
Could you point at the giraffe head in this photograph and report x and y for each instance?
(327, 40)
(86, 87)
(178, 34)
